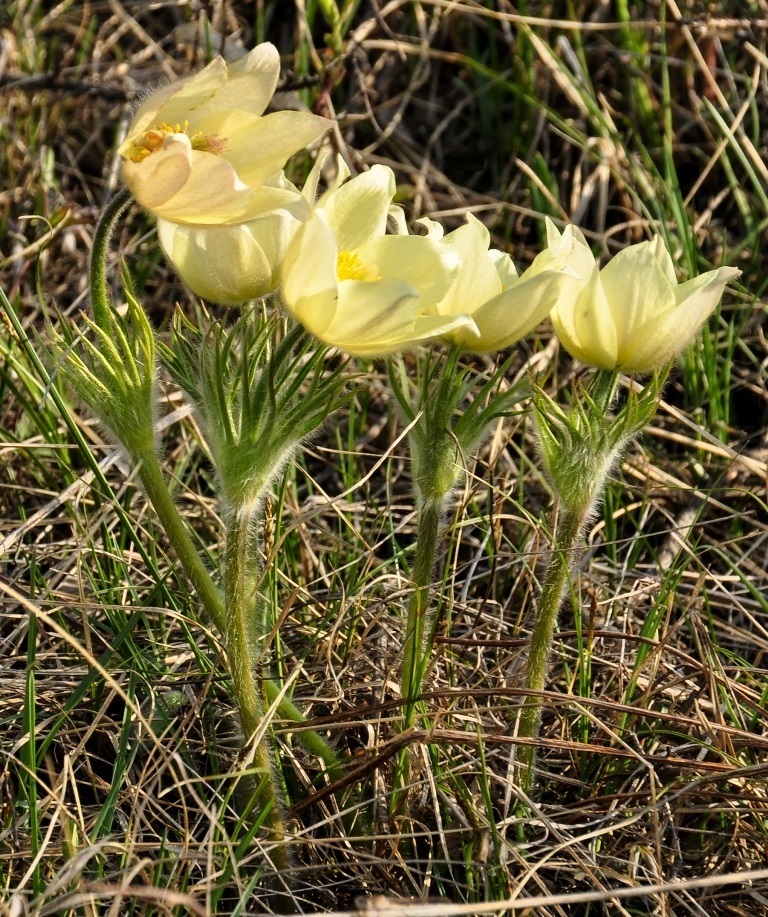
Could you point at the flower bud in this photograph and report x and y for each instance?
(229, 264)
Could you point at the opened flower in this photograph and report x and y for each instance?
(200, 151)
(631, 316)
(504, 306)
(355, 287)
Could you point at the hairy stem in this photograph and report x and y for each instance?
(242, 649)
(104, 229)
(153, 480)
(558, 573)
(415, 652)
(417, 644)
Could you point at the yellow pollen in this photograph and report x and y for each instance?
(350, 267)
(155, 137)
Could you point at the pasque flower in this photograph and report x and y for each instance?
(230, 264)
(631, 316)
(200, 152)
(504, 306)
(355, 287)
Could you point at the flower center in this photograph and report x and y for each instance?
(350, 267)
(155, 137)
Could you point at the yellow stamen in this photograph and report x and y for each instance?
(155, 137)
(350, 267)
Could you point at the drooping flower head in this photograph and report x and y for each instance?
(355, 287)
(632, 316)
(504, 306)
(200, 152)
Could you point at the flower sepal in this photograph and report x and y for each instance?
(111, 367)
(259, 390)
(449, 411)
(580, 444)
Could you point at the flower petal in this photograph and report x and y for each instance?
(259, 147)
(188, 96)
(637, 288)
(567, 251)
(659, 339)
(505, 268)
(512, 314)
(309, 283)
(357, 211)
(173, 103)
(427, 266)
(375, 319)
(368, 313)
(396, 220)
(156, 179)
(309, 191)
(570, 234)
(477, 280)
(251, 81)
(223, 264)
(584, 323)
(212, 194)
(664, 259)
(434, 229)
(703, 293)
(342, 174)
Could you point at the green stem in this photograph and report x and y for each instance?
(417, 644)
(242, 649)
(311, 740)
(104, 230)
(415, 652)
(153, 481)
(558, 573)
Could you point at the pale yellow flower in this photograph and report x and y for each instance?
(200, 151)
(355, 287)
(631, 316)
(230, 264)
(504, 306)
